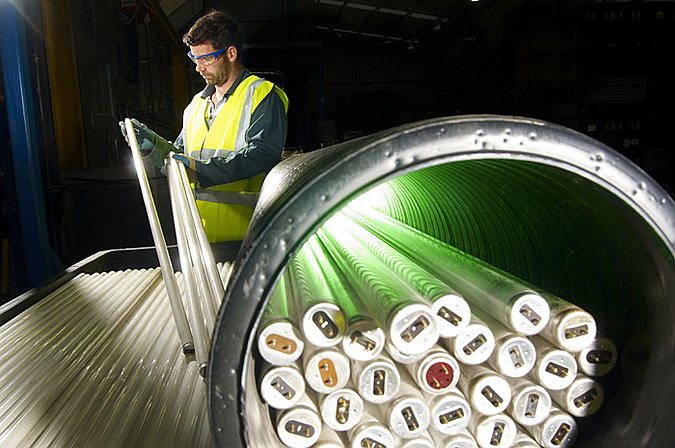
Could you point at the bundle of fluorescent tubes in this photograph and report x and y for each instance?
(96, 363)
(378, 335)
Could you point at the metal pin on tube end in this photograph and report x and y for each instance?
(299, 427)
(559, 430)
(452, 313)
(378, 381)
(487, 391)
(188, 348)
(599, 358)
(530, 403)
(573, 329)
(280, 343)
(281, 387)
(529, 314)
(491, 395)
(450, 412)
(324, 324)
(408, 416)
(554, 369)
(326, 370)
(582, 398)
(493, 431)
(363, 340)
(436, 372)
(342, 410)
(514, 356)
(413, 329)
(473, 345)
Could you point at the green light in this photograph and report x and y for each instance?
(481, 284)
(380, 291)
(278, 304)
(339, 289)
(427, 285)
(397, 307)
(309, 281)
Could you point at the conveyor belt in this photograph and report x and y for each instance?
(98, 363)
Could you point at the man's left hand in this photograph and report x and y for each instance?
(189, 162)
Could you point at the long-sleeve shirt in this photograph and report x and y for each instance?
(265, 139)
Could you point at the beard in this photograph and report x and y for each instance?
(217, 77)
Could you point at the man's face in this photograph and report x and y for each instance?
(218, 72)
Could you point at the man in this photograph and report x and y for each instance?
(233, 130)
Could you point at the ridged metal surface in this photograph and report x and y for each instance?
(98, 363)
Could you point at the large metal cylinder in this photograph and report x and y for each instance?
(547, 204)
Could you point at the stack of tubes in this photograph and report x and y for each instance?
(95, 363)
(380, 336)
(204, 288)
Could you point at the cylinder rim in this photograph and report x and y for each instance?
(274, 238)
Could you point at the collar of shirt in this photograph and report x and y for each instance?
(209, 89)
(213, 109)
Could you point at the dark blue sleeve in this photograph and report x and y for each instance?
(265, 140)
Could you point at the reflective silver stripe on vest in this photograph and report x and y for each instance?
(245, 118)
(227, 197)
(206, 154)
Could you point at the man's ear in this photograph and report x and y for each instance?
(231, 53)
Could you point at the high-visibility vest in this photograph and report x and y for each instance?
(226, 210)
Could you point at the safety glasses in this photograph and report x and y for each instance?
(206, 59)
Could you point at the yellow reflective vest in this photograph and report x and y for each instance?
(226, 210)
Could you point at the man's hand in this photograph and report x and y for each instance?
(189, 163)
(145, 137)
(153, 148)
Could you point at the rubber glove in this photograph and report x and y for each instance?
(189, 162)
(153, 148)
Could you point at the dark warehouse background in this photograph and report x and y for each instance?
(350, 68)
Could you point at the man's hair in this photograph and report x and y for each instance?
(216, 28)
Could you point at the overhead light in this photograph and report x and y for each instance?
(379, 36)
(396, 12)
(418, 15)
(342, 30)
(360, 6)
(331, 2)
